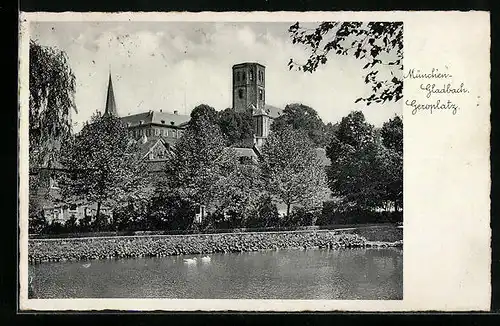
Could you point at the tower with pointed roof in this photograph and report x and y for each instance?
(110, 100)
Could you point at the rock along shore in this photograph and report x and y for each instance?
(45, 250)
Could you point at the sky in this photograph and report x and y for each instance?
(179, 65)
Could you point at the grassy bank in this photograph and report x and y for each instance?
(43, 250)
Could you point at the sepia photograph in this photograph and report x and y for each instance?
(215, 160)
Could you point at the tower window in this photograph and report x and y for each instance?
(251, 75)
(238, 76)
(261, 95)
(244, 76)
(240, 93)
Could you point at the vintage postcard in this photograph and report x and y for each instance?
(254, 161)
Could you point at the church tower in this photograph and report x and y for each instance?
(261, 126)
(110, 100)
(249, 86)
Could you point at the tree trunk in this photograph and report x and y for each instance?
(98, 213)
(288, 210)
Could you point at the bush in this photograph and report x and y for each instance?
(71, 224)
(37, 223)
(266, 215)
(169, 211)
(333, 213)
(301, 217)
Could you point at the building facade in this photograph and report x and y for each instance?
(157, 132)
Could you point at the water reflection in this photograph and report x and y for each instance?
(295, 274)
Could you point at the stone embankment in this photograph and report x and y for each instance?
(45, 250)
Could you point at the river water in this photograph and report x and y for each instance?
(287, 274)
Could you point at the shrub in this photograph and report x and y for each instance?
(37, 223)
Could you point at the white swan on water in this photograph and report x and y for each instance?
(205, 259)
(190, 260)
(86, 265)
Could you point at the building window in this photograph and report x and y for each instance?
(240, 93)
(163, 121)
(244, 76)
(73, 208)
(261, 95)
(200, 214)
(245, 160)
(157, 132)
(251, 74)
(141, 122)
(165, 132)
(237, 76)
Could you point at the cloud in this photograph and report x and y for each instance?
(176, 66)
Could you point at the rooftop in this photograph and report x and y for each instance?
(325, 161)
(247, 63)
(244, 152)
(157, 117)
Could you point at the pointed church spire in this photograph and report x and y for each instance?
(110, 100)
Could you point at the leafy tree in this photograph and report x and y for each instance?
(391, 162)
(265, 215)
(203, 112)
(392, 134)
(302, 117)
(354, 131)
(241, 193)
(392, 138)
(330, 131)
(364, 172)
(237, 127)
(170, 210)
(104, 164)
(353, 156)
(292, 170)
(377, 43)
(52, 91)
(201, 163)
(358, 177)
